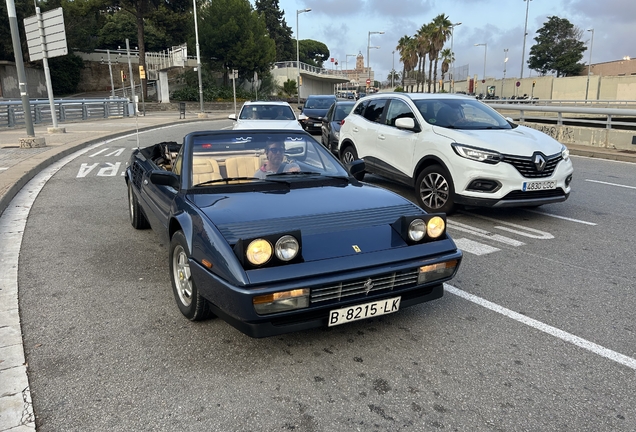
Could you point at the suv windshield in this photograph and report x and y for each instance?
(460, 114)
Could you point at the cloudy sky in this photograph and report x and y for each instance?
(343, 25)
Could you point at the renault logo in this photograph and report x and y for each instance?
(539, 162)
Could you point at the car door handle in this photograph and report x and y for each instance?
(355, 129)
(382, 137)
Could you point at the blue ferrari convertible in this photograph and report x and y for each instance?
(270, 232)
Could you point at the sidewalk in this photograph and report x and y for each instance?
(18, 166)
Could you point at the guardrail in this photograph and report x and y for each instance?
(12, 112)
(567, 102)
(613, 116)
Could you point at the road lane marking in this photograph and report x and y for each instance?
(562, 217)
(611, 184)
(521, 230)
(538, 325)
(482, 233)
(474, 247)
(4, 168)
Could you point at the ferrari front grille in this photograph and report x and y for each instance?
(363, 287)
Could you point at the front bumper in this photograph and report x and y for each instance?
(310, 125)
(234, 304)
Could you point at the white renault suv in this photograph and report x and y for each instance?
(455, 150)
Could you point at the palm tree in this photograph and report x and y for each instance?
(447, 57)
(441, 31)
(424, 42)
(408, 55)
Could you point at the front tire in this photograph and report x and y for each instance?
(191, 304)
(137, 218)
(435, 191)
(349, 155)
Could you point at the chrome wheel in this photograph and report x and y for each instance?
(182, 276)
(434, 191)
(349, 155)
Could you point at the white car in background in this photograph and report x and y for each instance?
(455, 150)
(266, 115)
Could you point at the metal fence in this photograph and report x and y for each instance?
(609, 117)
(67, 110)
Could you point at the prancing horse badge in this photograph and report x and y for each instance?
(356, 248)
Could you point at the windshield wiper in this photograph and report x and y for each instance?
(294, 173)
(226, 180)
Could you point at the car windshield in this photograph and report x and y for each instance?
(342, 110)
(232, 157)
(319, 103)
(460, 114)
(267, 112)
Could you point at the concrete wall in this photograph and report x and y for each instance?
(594, 137)
(564, 88)
(9, 89)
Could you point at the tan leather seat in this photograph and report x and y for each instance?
(242, 166)
(205, 169)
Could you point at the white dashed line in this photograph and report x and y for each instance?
(611, 184)
(562, 217)
(565, 336)
(474, 247)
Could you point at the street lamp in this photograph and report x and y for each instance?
(196, 34)
(504, 75)
(368, 47)
(393, 69)
(525, 33)
(452, 78)
(485, 45)
(298, 12)
(589, 66)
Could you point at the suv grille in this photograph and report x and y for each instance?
(362, 287)
(527, 168)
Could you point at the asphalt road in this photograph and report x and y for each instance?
(547, 341)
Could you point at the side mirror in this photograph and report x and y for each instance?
(300, 107)
(405, 123)
(509, 120)
(165, 178)
(232, 117)
(302, 117)
(356, 169)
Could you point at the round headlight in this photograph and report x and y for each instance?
(417, 230)
(435, 227)
(286, 248)
(259, 251)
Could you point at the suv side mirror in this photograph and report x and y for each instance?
(405, 123)
(232, 116)
(300, 107)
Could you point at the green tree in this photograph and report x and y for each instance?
(278, 29)
(289, 88)
(408, 55)
(312, 52)
(447, 57)
(234, 36)
(423, 46)
(23, 9)
(441, 31)
(121, 26)
(558, 48)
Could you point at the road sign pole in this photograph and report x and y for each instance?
(47, 72)
(110, 70)
(19, 65)
(132, 78)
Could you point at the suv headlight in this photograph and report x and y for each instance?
(565, 153)
(477, 154)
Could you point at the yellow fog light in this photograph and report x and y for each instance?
(435, 227)
(259, 252)
(281, 301)
(433, 272)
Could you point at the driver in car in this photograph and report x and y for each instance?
(276, 162)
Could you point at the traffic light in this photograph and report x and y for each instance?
(123, 76)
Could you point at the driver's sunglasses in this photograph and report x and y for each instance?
(277, 150)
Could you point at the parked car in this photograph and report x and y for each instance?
(455, 150)
(266, 115)
(313, 110)
(304, 246)
(332, 121)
